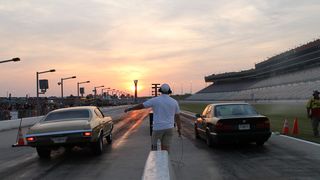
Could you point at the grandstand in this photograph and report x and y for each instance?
(291, 75)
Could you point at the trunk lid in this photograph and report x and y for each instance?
(57, 126)
(243, 123)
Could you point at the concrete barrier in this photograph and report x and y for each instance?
(158, 167)
(14, 123)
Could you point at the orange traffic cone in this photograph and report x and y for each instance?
(285, 129)
(20, 139)
(295, 129)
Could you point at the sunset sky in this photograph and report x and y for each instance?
(113, 42)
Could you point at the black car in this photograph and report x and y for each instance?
(232, 123)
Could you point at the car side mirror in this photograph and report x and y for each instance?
(198, 116)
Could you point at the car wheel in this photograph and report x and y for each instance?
(196, 133)
(209, 140)
(260, 143)
(43, 153)
(97, 147)
(109, 138)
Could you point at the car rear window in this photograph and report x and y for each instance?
(68, 115)
(235, 110)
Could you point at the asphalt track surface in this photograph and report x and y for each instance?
(280, 158)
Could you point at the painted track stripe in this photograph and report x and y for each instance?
(300, 140)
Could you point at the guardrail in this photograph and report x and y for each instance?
(12, 124)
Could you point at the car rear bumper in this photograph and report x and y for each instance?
(74, 139)
(240, 137)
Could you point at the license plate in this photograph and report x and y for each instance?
(59, 139)
(244, 126)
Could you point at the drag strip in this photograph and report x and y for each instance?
(279, 158)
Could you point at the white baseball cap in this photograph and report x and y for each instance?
(165, 88)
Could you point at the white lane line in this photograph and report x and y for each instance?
(300, 140)
(125, 137)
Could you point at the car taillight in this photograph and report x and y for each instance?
(87, 134)
(223, 127)
(31, 139)
(263, 124)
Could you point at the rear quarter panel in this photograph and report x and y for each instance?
(95, 126)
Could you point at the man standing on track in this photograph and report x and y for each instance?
(166, 111)
(313, 110)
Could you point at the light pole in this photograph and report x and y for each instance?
(135, 90)
(79, 87)
(61, 83)
(103, 90)
(37, 79)
(95, 90)
(11, 60)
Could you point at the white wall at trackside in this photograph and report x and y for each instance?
(12, 124)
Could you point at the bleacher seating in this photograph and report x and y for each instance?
(297, 85)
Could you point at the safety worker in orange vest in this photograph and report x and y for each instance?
(313, 110)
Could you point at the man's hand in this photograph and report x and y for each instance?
(137, 107)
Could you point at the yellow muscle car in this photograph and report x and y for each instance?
(69, 127)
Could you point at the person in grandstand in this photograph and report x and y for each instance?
(166, 111)
(313, 111)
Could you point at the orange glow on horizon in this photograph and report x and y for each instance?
(139, 88)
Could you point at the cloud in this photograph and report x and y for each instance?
(112, 42)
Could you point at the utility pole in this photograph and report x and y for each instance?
(135, 90)
(155, 87)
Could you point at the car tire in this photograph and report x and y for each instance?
(97, 147)
(260, 143)
(209, 140)
(196, 133)
(109, 138)
(43, 153)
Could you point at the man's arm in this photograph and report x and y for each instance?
(308, 112)
(137, 107)
(309, 104)
(178, 122)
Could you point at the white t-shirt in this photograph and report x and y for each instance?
(164, 108)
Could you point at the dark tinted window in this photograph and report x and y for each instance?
(68, 115)
(234, 110)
